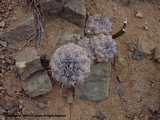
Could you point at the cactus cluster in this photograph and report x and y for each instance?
(70, 64)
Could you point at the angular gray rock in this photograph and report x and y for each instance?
(74, 11)
(51, 8)
(22, 31)
(96, 85)
(39, 84)
(139, 52)
(69, 37)
(27, 63)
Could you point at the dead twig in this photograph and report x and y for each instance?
(38, 17)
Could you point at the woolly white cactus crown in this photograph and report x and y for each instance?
(104, 46)
(70, 64)
(96, 24)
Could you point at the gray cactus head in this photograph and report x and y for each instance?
(70, 64)
(96, 24)
(104, 46)
(86, 43)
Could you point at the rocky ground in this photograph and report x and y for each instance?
(131, 81)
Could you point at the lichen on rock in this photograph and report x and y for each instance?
(70, 64)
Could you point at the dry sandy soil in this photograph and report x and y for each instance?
(141, 94)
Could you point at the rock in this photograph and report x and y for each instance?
(70, 97)
(96, 85)
(158, 61)
(2, 117)
(2, 24)
(74, 11)
(139, 14)
(119, 64)
(51, 8)
(131, 47)
(8, 103)
(2, 111)
(130, 54)
(69, 37)
(27, 63)
(139, 52)
(3, 43)
(21, 31)
(156, 53)
(9, 61)
(120, 92)
(100, 115)
(41, 105)
(39, 84)
(121, 79)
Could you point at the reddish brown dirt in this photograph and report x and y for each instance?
(139, 92)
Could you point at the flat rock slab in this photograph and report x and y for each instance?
(27, 63)
(51, 8)
(39, 84)
(74, 11)
(96, 85)
(22, 31)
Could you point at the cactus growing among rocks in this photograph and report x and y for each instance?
(86, 43)
(96, 24)
(70, 64)
(105, 47)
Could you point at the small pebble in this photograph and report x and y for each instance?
(139, 14)
(121, 79)
(120, 92)
(41, 105)
(2, 24)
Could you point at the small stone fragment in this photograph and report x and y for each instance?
(100, 115)
(2, 117)
(3, 43)
(39, 84)
(120, 92)
(41, 105)
(139, 52)
(10, 61)
(2, 24)
(2, 111)
(121, 79)
(70, 97)
(139, 14)
(131, 47)
(146, 28)
(119, 64)
(156, 54)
